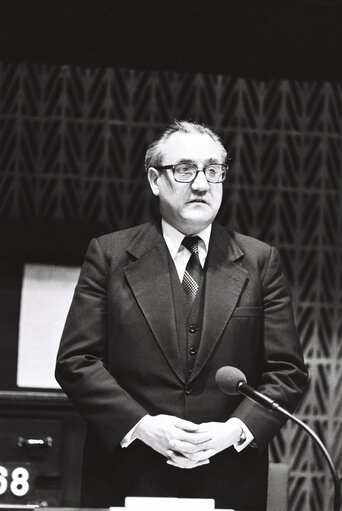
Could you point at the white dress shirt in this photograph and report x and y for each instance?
(181, 256)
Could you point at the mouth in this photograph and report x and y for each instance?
(200, 201)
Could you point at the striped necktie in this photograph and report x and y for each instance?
(193, 271)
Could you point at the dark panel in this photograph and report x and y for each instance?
(10, 292)
(287, 38)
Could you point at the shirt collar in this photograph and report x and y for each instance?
(174, 238)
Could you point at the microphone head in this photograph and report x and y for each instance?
(228, 378)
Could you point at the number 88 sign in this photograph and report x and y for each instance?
(15, 481)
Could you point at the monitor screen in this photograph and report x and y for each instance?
(46, 295)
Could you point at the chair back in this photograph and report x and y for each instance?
(278, 487)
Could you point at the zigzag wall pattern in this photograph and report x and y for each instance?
(73, 143)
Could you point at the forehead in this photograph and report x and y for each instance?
(190, 146)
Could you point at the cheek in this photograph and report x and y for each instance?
(165, 192)
(217, 197)
(171, 199)
(169, 190)
(174, 195)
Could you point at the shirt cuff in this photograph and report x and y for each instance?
(130, 436)
(246, 435)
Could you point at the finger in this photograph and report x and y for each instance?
(184, 424)
(194, 438)
(188, 448)
(205, 426)
(200, 456)
(179, 457)
(192, 465)
(182, 462)
(183, 447)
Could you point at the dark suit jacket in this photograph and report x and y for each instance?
(119, 359)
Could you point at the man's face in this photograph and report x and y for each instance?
(189, 207)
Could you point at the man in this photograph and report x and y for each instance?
(158, 309)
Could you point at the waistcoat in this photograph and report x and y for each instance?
(188, 320)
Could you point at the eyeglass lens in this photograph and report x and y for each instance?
(213, 172)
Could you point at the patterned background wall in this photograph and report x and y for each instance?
(72, 148)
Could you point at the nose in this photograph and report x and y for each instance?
(200, 183)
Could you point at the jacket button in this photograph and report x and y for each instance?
(192, 329)
(193, 351)
(187, 392)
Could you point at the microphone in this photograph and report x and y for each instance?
(233, 382)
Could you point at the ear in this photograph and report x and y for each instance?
(153, 176)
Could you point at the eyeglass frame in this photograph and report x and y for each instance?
(172, 167)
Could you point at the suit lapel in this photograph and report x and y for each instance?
(149, 278)
(224, 282)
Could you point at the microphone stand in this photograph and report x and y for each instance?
(268, 403)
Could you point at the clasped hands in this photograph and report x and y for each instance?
(183, 443)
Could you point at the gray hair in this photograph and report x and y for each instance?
(154, 152)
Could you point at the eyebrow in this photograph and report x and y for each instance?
(187, 160)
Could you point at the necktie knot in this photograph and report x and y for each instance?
(191, 243)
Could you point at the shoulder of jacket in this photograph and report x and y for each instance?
(121, 238)
(250, 242)
(251, 245)
(123, 234)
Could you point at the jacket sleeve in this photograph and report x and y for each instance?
(81, 360)
(283, 373)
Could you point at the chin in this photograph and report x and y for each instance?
(196, 223)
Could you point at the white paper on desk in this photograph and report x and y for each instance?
(46, 295)
(167, 504)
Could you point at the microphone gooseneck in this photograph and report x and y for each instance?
(232, 381)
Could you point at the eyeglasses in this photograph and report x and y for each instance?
(187, 172)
